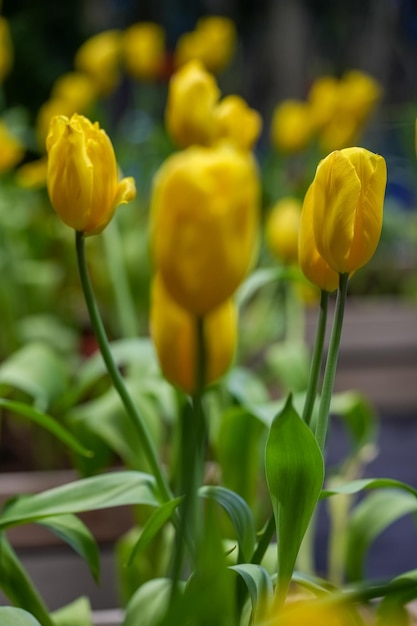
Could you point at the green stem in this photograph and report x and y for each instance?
(317, 357)
(264, 541)
(115, 375)
(331, 363)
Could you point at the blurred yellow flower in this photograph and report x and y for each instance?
(48, 110)
(144, 50)
(192, 97)
(82, 175)
(360, 93)
(99, 57)
(32, 175)
(323, 98)
(204, 224)
(236, 122)
(292, 126)
(347, 198)
(76, 88)
(6, 49)
(174, 333)
(213, 42)
(310, 613)
(281, 230)
(12, 151)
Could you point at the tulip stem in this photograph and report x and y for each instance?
(316, 361)
(115, 375)
(331, 362)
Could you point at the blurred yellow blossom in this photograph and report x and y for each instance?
(77, 89)
(204, 224)
(12, 150)
(360, 93)
(310, 613)
(192, 97)
(174, 333)
(213, 42)
(323, 98)
(282, 227)
(6, 49)
(48, 110)
(292, 126)
(144, 50)
(99, 57)
(82, 174)
(236, 122)
(32, 175)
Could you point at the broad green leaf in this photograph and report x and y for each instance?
(17, 586)
(316, 585)
(48, 423)
(88, 494)
(259, 585)
(74, 532)
(295, 474)
(368, 519)
(239, 514)
(36, 369)
(77, 613)
(10, 616)
(362, 484)
(148, 605)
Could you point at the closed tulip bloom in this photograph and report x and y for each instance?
(144, 50)
(213, 42)
(347, 204)
(292, 126)
(174, 333)
(99, 57)
(192, 96)
(281, 230)
(237, 123)
(313, 266)
(360, 93)
(204, 224)
(82, 174)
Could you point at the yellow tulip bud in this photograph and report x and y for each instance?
(76, 88)
(282, 228)
(6, 49)
(144, 50)
(204, 224)
(212, 42)
(12, 151)
(192, 97)
(292, 126)
(48, 110)
(313, 266)
(174, 333)
(99, 57)
(82, 175)
(347, 204)
(237, 123)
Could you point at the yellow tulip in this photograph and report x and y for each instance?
(212, 42)
(144, 50)
(236, 122)
(6, 49)
(313, 266)
(292, 126)
(281, 230)
(347, 200)
(32, 175)
(192, 97)
(204, 224)
(76, 88)
(82, 175)
(306, 612)
(174, 333)
(48, 110)
(99, 57)
(12, 151)
(323, 99)
(360, 93)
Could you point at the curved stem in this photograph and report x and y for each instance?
(316, 358)
(331, 363)
(115, 375)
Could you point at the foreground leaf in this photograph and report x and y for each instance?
(10, 616)
(77, 613)
(259, 585)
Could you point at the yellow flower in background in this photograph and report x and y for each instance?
(310, 613)
(77, 89)
(204, 224)
(12, 150)
(281, 230)
(48, 110)
(192, 96)
(82, 174)
(347, 198)
(313, 266)
(144, 50)
(213, 42)
(340, 132)
(6, 49)
(99, 57)
(174, 333)
(360, 93)
(32, 175)
(323, 98)
(292, 126)
(236, 122)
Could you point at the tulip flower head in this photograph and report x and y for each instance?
(282, 228)
(292, 126)
(237, 123)
(144, 50)
(204, 224)
(212, 43)
(82, 174)
(346, 204)
(99, 57)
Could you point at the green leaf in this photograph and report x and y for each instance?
(289, 361)
(78, 612)
(262, 277)
(99, 492)
(9, 616)
(148, 605)
(36, 369)
(295, 473)
(362, 484)
(17, 586)
(48, 423)
(246, 386)
(75, 533)
(369, 518)
(259, 585)
(239, 514)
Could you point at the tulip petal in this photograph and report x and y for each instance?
(126, 191)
